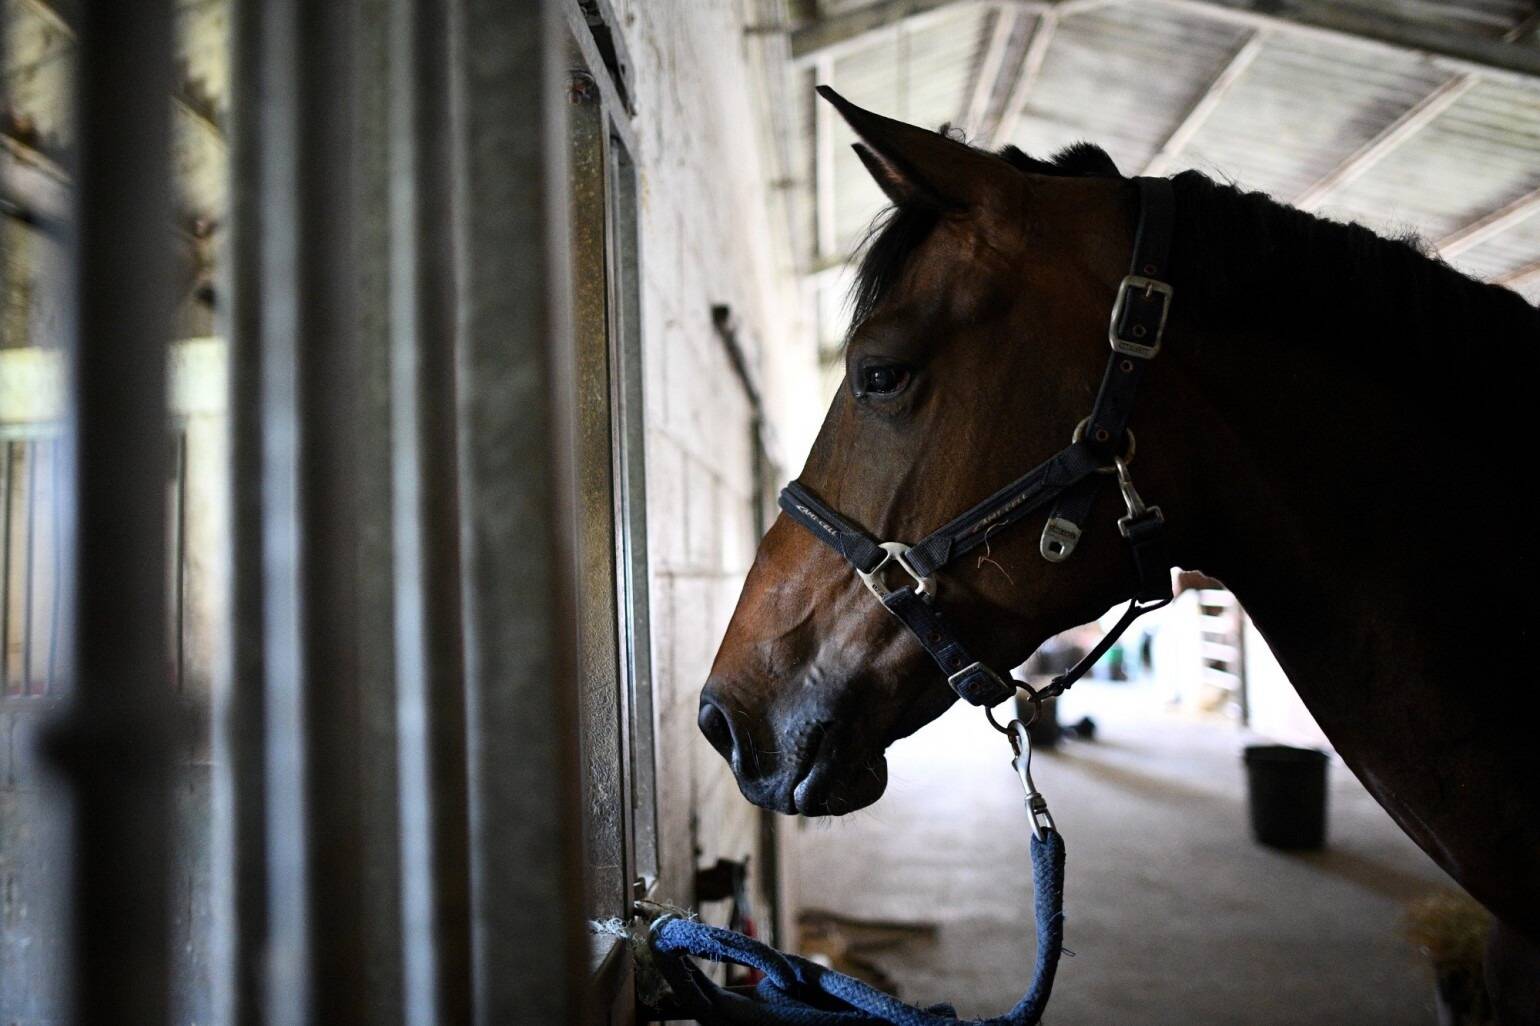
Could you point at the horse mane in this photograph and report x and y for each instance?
(1239, 256)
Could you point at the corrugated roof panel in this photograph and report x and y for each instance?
(922, 77)
(1305, 105)
(1478, 155)
(1123, 77)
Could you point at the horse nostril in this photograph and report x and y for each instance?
(713, 723)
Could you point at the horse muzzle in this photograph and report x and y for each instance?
(812, 766)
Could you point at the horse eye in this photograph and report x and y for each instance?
(883, 379)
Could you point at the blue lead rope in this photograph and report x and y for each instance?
(797, 992)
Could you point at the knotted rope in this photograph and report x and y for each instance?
(797, 992)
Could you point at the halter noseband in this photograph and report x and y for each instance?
(1069, 480)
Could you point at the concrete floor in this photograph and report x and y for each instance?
(1175, 915)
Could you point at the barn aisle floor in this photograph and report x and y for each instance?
(1175, 915)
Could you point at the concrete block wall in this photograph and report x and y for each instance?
(709, 234)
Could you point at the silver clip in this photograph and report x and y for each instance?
(1037, 805)
(1060, 537)
(1131, 499)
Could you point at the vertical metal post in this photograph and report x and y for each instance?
(239, 710)
(114, 743)
(430, 680)
(311, 407)
(516, 426)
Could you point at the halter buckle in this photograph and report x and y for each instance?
(895, 553)
(1142, 346)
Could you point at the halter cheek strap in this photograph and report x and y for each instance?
(1068, 481)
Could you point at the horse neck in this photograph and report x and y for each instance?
(1349, 507)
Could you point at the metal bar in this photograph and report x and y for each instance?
(115, 740)
(985, 84)
(1415, 119)
(371, 784)
(239, 711)
(1489, 225)
(1206, 104)
(823, 163)
(430, 680)
(580, 35)
(331, 832)
(5, 565)
(177, 562)
(1031, 68)
(625, 334)
(515, 365)
(602, 723)
(28, 566)
(57, 591)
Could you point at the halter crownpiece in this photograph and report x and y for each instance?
(1069, 480)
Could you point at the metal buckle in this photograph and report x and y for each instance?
(1060, 537)
(895, 554)
(1140, 348)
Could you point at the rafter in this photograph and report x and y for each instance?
(1341, 24)
(1206, 104)
(853, 29)
(1031, 68)
(1419, 116)
(1517, 279)
(986, 86)
(1490, 224)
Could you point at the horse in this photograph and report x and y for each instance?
(1338, 427)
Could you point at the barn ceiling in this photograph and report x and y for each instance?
(1406, 115)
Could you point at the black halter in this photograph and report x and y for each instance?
(1069, 480)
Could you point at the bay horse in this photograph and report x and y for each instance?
(1339, 427)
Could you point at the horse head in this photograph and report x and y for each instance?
(978, 337)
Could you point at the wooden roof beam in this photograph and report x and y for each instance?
(1204, 108)
(1415, 119)
(987, 85)
(1517, 279)
(1031, 68)
(1489, 225)
(1457, 52)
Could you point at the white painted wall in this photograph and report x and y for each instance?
(711, 232)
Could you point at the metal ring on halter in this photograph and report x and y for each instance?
(1127, 457)
(1037, 708)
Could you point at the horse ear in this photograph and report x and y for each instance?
(912, 164)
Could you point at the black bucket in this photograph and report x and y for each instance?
(1288, 796)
